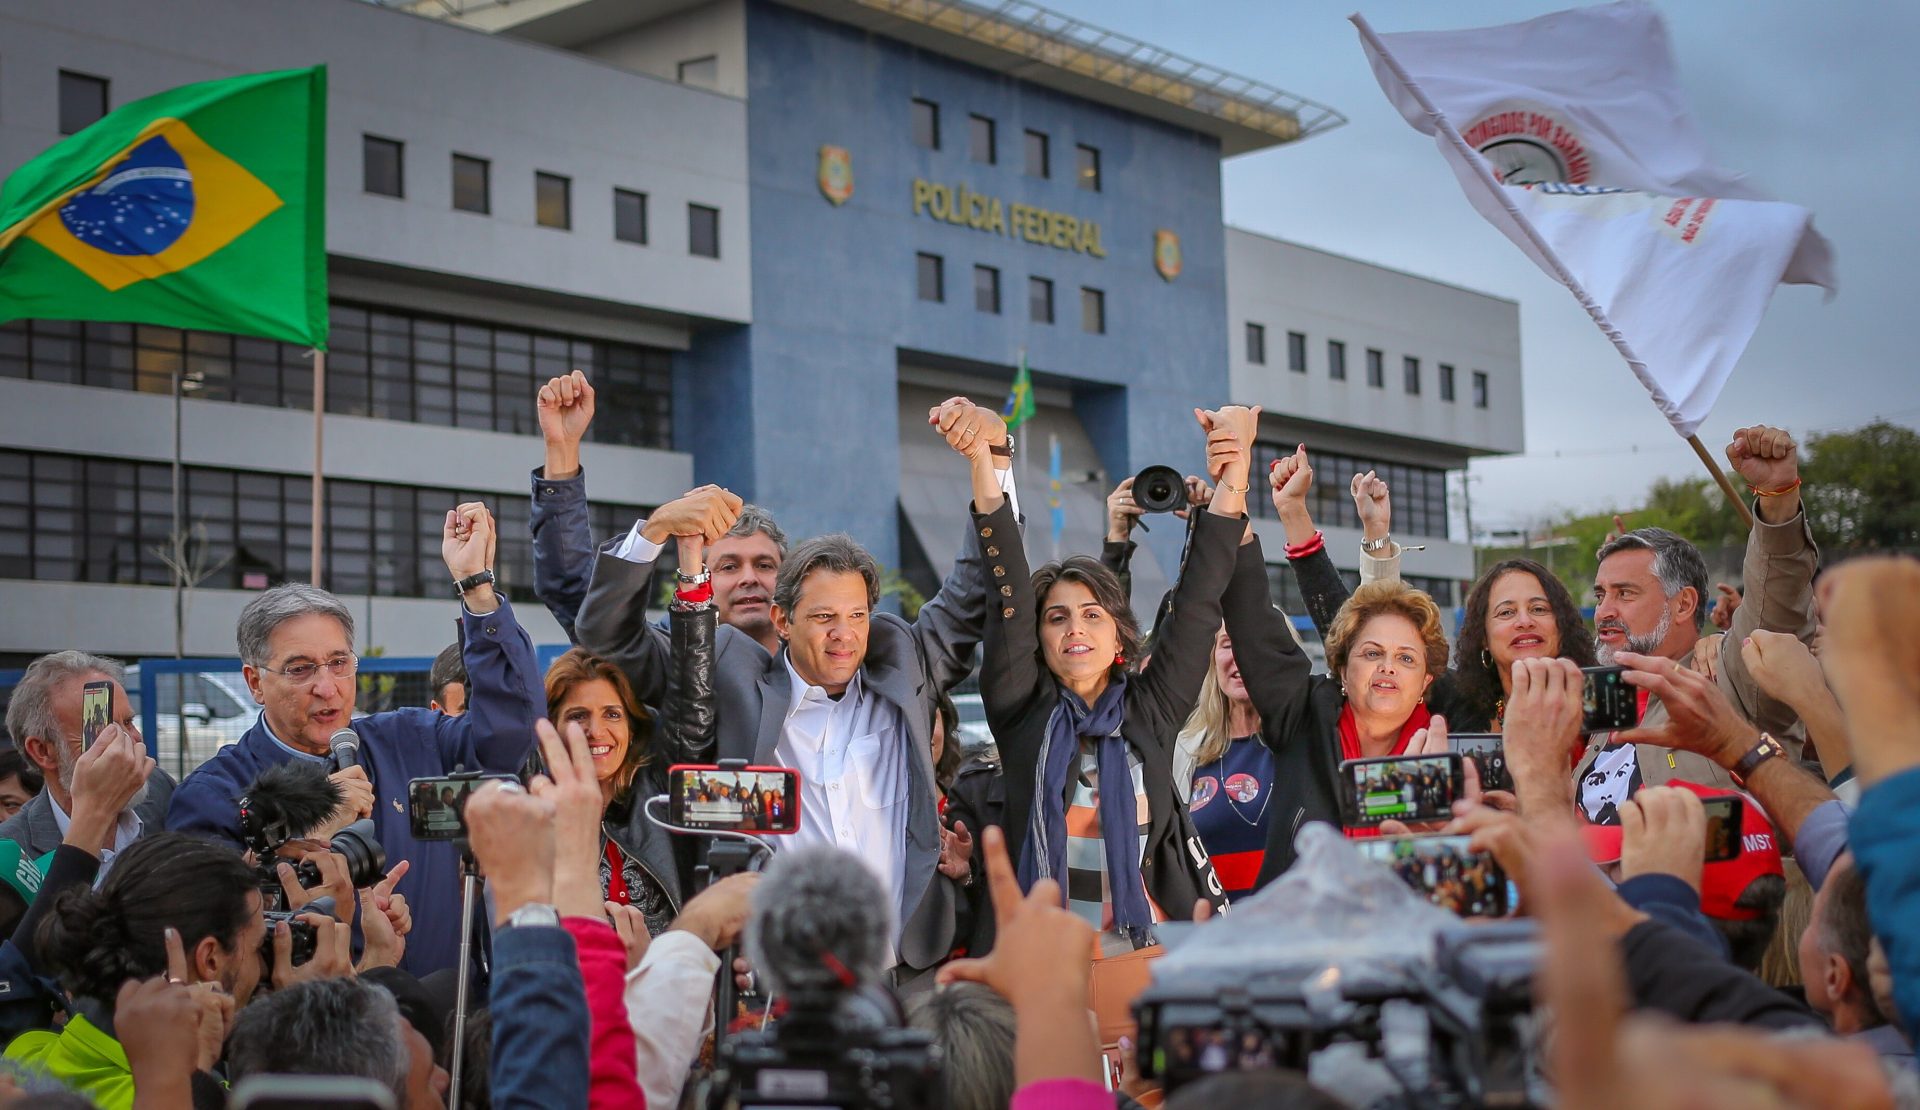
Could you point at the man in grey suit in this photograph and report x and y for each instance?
(848, 700)
(44, 720)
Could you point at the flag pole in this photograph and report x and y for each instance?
(1539, 243)
(319, 483)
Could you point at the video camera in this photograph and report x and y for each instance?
(284, 804)
(834, 1046)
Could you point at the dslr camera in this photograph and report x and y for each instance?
(282, 805)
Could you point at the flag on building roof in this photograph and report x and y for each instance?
(198, 207)
(1019, 407)
(1570, 134)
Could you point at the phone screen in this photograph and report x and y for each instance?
(1608, 703)
(437, 807)
(1446, 869)
(1488, 753)
(96, 711)
(1402, 788)
(1724, 818)
(746, 800)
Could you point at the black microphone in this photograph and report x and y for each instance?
(343, 749)
(820, 920)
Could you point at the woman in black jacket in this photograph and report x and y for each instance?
(1088, 742)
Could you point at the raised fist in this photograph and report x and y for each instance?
(1767, 458)
(1291, 477)
(968, 428)
(708, 512)
(1371, 501)
(566, 408)
(466, 540)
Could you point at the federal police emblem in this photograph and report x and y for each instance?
(836, 174)
(1166, 254)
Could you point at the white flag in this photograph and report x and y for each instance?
(1569, 134)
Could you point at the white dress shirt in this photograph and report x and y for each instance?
(126, 830)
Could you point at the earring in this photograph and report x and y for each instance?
(1119, 659)
(1486, 659)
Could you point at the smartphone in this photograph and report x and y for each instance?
(746, 799)
(307, 1092)
(437, 807)
(1444, 868)
(1488, 752)
(1400, 788)
(1725, 817)
(96, 711)
(1609, 703)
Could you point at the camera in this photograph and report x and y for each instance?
(833, 1047)
(282, 805)
(1608, 704)
(306, 938)
(1160, 489)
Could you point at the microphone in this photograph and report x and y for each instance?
(343, 749)
(820, 920)
(286, 801)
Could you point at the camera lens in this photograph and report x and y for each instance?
(366, 858)
(1159, 489)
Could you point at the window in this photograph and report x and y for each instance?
(630, 216)
(926, 124)
(1419, 493)
(1376, 369)
(1093, 311)
(380, 166)
(470, 193)
(1037, 155)
(1297, 352)
(83, 100)
(1086, 169)
(703, 72)
(703, 231)
(1256, 344)
(1446, 383)
(986, 289)
(553, 201)
(932, 277)
(1479, 389)
(1336, 360)
(1410, 369)
(980, 139)
(1040, 300)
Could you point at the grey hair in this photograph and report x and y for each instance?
(974, 1027)
(323, 1027)
(838, 553)
(31, 712)
(1676, 563)
(813, 902)
(277, 606)
(753, 519)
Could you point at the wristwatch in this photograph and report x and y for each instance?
(1766, 749)
(472, 581)
(534, 913)
(1375, 547)
(1004, 450)
(699, 579)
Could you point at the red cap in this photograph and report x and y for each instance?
(1721, 883)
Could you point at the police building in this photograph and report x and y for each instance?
(772, 233)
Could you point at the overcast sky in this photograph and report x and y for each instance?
(1815, 101)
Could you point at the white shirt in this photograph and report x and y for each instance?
(669, 1000)
(126, 830)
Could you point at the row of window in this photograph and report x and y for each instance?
(68, 518)
(931, 283)
(383, 173)
(384, 363)
(1284, 587)
(1419, 492)
(983, 145)
(1376, 365)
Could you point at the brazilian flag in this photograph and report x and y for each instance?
(199, 207)
(1019, 407)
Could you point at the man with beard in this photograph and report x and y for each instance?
(1650, 599)
(44, 719)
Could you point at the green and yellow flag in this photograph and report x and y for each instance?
(199, 207)
(1019, 407)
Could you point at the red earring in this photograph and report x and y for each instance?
(1119, 660)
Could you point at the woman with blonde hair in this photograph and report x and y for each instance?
(1227, 773)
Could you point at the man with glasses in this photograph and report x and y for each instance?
(296, 647)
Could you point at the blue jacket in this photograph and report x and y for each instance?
(540, 1021)
(495, 733)
(1886, 848)
(563, 549)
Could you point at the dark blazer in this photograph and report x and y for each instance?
(35, 830)
(908, 663)
(1019, 695)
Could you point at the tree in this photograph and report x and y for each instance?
(1862, 488)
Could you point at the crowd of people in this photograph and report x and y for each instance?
(1009, 904)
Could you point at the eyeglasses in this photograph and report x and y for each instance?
(303, 674)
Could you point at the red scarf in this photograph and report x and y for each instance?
(1350, 747)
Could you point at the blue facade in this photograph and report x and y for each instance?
(799, 410)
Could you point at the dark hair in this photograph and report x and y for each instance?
(838, 553)
(1846, 932)
(98, 939)
(1747, 941)
(15, 764)
(1107, 591)
(948, 715)
(1676, 563)
(1476, 676)
(1277, 1088)
(449, 667)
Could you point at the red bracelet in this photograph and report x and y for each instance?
(698, 596)
(1301, 551)
(1781, 492)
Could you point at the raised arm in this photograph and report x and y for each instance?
(1275, 670)
(690, 714)
(949, 626)
(1116, 553)
(506, 694)
(1290, 480)
(562, 534)
(1379, 555)
(1777, 571)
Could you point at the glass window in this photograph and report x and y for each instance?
(630, 216)
(1376, 369)
(1093, 311)
(986, 289)
(470, 191)
(702, 72)
(1446, 382)
(1297, 352)
(926, 124)
(931, 277)
(703, 231)
(1040, 300)
(553, 200)
(1257, 344)
(380, 166)
(1037, 155)
(980, 139)
(1086, 170)
(83, 100)
(1479, 389)
(1336, 360)
(1410, 368)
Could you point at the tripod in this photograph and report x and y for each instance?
(470, 881)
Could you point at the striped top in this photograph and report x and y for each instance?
(1088, 892)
